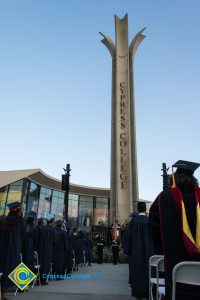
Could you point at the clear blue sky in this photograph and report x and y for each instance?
(55, 86)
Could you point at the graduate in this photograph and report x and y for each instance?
(45, 245)
(125, 244)
(69, 252)
(85, 248)
(175, 221)
(12, 234)
(77, 247)
(30, 240)
(60, 245)
(89, 249)
(140, 250)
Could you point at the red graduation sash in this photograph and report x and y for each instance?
(192, 246)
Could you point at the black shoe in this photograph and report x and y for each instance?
(90, 265)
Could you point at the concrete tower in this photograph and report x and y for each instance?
(124, 178)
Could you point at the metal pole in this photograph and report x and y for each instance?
(65, 187)
(165, 176)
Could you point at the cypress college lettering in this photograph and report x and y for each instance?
(123, 136)
(123, 179)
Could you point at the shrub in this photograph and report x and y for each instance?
(108, 257)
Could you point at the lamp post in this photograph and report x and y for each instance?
(165, 176)
(65, 187)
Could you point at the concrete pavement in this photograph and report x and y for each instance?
(105, 282)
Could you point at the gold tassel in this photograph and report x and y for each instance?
(173, 179)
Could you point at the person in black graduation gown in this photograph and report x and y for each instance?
(60, 244)
(2, 219)
(12, 234)
(126, 246)
(89, 249)
(77, 247)
(82, 252)
(30, 240)
(115, 251)
(168, 229)
(69, 253)
(126, 249)
(45, 247)
(141, 249)
(85, 247)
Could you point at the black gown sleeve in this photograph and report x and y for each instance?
(154, 220)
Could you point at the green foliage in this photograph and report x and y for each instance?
(108, 257)
(107, 254)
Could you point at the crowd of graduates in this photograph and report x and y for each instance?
(171, 229)
(59, 249)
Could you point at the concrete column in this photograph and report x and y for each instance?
(124, 179)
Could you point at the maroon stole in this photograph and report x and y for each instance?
(191, 245)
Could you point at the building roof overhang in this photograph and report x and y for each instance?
(43, 179)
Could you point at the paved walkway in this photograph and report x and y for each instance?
(106, 282)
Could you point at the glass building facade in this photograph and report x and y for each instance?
(84, 212)
(33, 197)
(86, 206)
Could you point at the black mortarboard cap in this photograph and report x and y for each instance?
(32, 214)
(14, 205)
(184, 166)
(40, 221)
(58, 223)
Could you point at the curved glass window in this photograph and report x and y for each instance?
(57, 204)
(44, 202)
(101, 211)
(3, 195)
(73, 209)
(14, 193)
(32, 196)
(85, 217)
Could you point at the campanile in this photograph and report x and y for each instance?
(124, 177)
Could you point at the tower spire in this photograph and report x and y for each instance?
(124, 176)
